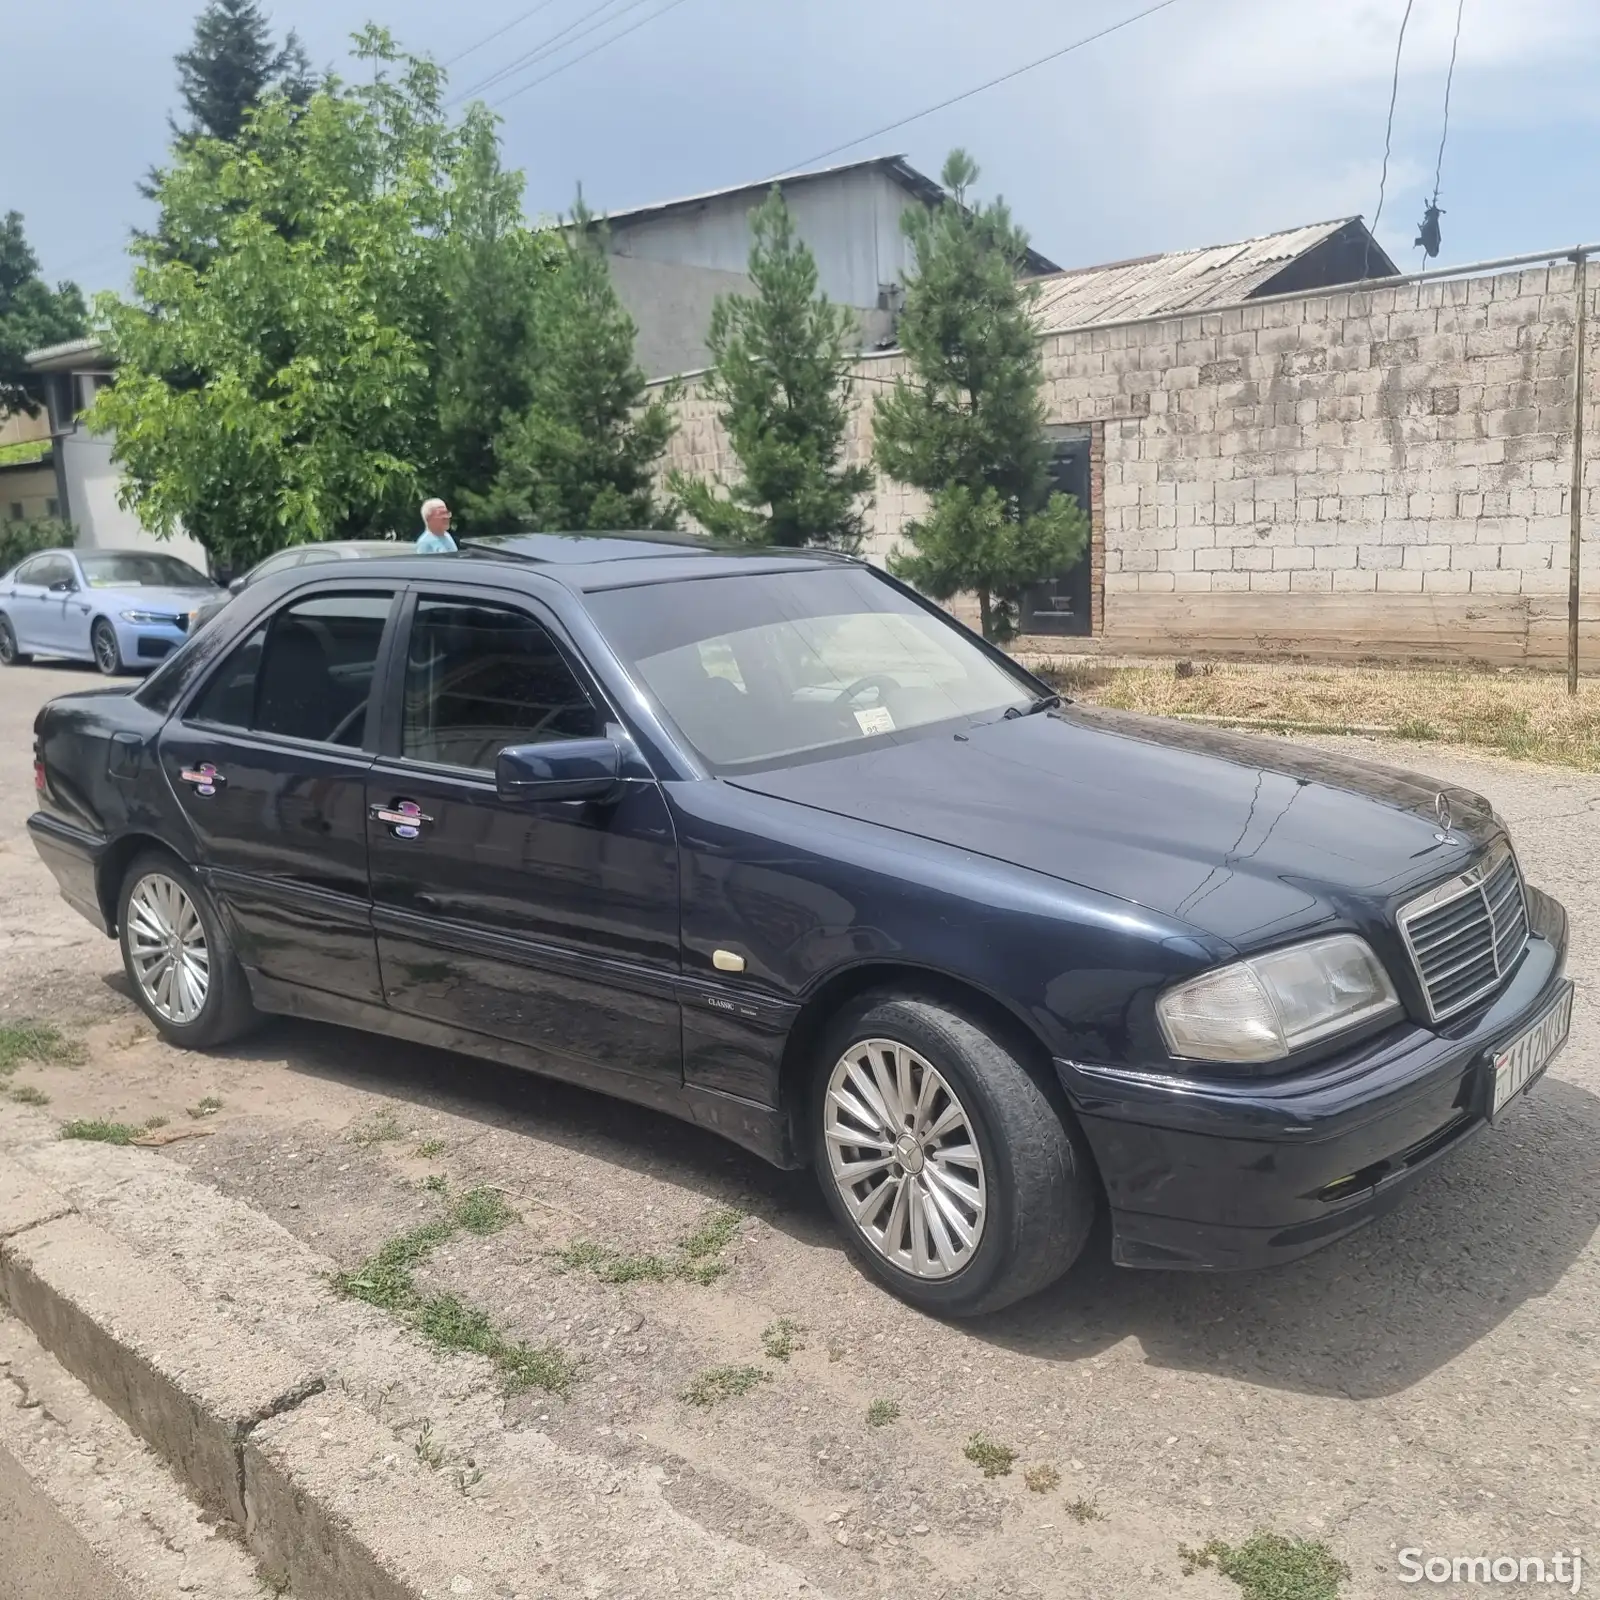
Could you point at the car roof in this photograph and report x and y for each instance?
(592, 561)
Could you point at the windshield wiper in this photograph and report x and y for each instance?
(1044, 702)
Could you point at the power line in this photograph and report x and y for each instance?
(967, 94)
(1388, 132)
(557, 42)
(1449, 79)
(605, 44)
(489, 38)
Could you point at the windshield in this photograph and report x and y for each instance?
(137, 570)
(776, 666)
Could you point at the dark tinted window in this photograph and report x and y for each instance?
(304, 674)
(482, 677)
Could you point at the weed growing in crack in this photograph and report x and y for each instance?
(1084, 1511)
(995, 1459)
(36, 1041)
(1041, 1479)
(435, 1183)
(882, 1412)
(1271, 1566)
(209, 1106)
(30, 1094)
(781, 1339)
(697, 1259)
(483, 1211)
(723, 1383)
(97, 1131)
(428, 1450)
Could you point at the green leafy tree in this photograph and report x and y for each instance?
(32, 314)
(277, 384)
(968, 429)
(231, 67)
(585, 452)
(781, 363)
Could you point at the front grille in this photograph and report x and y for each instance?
(1465, 935)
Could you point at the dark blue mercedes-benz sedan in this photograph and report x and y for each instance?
(769, 842)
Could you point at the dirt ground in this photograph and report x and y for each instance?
(1429, 1383)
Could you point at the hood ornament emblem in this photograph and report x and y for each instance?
(1441, 812)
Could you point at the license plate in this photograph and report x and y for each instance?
(1530, 1053)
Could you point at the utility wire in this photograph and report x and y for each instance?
(489, 38)
(605, 44)
(1450, 78)
(558, 41)
(967, 94)
(1388, 132)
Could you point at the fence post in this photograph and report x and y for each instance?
(1580, 279)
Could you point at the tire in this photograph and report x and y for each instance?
(107, 652)
(1033, 1170)
(10, 656)
(159, 893)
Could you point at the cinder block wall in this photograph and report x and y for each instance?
(1357, 473)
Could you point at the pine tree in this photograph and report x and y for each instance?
(781, 374)
(31, 314)
(968, 429)
(231, 65)
(585, 452)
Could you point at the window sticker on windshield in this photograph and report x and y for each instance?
(875, 719)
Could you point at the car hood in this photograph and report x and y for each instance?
(1244, 838)
(149, 598)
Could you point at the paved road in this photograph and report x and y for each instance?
(41, 1558)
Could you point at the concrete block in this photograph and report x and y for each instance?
(190, 1383)
(1446, 582)
(1354, 580)
(1392, 581)
(1315, 582)
(26, 1201)
(1427, 557)
(1271, 582)
(1497, 582)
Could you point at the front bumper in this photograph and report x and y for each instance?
(1225, 1173)
(146, 643)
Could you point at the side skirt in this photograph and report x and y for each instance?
(760, 1129)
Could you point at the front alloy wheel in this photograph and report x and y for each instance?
(107, 653)
(902, 1153)
(167, 949)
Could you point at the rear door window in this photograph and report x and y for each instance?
(306, 673)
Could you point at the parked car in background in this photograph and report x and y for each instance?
(768, 841)
(300, 555)
(124, 610)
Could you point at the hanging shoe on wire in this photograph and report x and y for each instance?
(1428, 238)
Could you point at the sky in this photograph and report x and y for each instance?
(1208, 121)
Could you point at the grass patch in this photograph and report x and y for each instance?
(1271, 1566)
(30, 1094)
(1041, 1479)
(382, 1127)
(882, 1412)
(428, 1450)
(482, 1211)
(1526, 715)
(996, 1460)
(448, 1323)
(434, 1183)
(696, 1259)
(782, 1338)
(1084, 1511)
(97, 1131)
(37, 1042)
(209, 1106)
(429, 1148)
(723, 1383)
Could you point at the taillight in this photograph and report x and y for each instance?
(38, 776)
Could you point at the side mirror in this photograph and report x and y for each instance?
(236, 586)
(63, 586)
(561, 769)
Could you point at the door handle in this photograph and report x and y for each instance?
(405, 819)
(203, 779)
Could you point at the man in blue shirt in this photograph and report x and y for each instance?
(435, 538)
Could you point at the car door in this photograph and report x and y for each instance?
(269, 762)
(553, 925)
(25, 599)
(57, 582)
(77, 614)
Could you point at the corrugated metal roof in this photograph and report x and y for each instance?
(1183, 280)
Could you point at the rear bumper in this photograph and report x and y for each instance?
(73, 858)
(1208, 1174)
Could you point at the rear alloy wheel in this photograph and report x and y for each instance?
(959, 1182)
(10, 656)
(107, 652)
(178, 957)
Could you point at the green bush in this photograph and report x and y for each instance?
(19, 540)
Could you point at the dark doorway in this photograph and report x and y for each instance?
(1060, 605)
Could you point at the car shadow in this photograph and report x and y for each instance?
(1495, 1226)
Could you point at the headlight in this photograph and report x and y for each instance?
(148, 618)
(1272, 1005)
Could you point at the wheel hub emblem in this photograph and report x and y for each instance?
(908, 1152)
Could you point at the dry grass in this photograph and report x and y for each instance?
(1526, 715)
